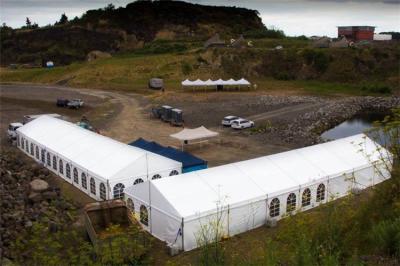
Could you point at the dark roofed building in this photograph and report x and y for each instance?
(356, 33)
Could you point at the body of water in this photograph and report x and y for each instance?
(353, 126)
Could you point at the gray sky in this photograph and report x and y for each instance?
(295, 17)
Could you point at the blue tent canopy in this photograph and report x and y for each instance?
(189, 161)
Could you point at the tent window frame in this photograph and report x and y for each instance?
(32, 149)
(291, 202)
(156, 176)
(306, 198)
(48, 159)
(76, 175)
(27, 146)
(174, 172)
(84, 180)
(18, 141)
(320, 193)
(68, 171)
(92, 186)
(144, 215)
(138, 181)
(102, 189)
(43, 156)
(37, 152)
(61, 166)
(274, 207)
(23, 143)
(54, 162)
(118, 191)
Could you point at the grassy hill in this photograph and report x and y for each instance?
(371, 70)
(123, 29)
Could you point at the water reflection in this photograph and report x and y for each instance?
(355, 125)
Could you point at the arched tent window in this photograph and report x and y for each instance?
(32, 149)
(18, 141)
(43, 155)
(68, 171)
(138, 181)
(274, 207)
(84, 180)
(130, 205)
(291, 202)
(92, 186)
(76, 179)
(306, 197)
(27, 146)
(61, 166)
(103, 191)
(54, 163)
(23, 143)
(119, 191)
(37, 153)
(320, 192)
(157, 176)
(144, 215)
(174, 172)
(48, 159)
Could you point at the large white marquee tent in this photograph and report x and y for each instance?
(99, 166)
(209, 82)
(248, 194)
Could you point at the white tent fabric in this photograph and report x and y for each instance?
(95, 155)
(209, 82)
(194, 134)
(242, 192)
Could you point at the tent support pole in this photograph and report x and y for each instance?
(228, 220)
(183, 243)
(327, 190)
(266, 209)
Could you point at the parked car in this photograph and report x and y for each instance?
(227, 121)
(12, 128)
(62, 102)
(242, 123)
(75, 103)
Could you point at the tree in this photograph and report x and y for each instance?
(63, 19)
(28, 23)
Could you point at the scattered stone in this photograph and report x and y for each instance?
(39, 185)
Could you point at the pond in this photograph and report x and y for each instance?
(355, 125)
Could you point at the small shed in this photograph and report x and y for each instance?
(214, 41)
(340, 43)
(323, 42)
(156, 83)
(239, 43)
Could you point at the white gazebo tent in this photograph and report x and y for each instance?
(215, 83)
(99, 166)
(194, 135)
(248, 194)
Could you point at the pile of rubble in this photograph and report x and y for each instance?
(27, 197)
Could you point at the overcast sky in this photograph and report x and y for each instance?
(295, 17)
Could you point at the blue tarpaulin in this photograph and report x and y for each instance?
(189, 162)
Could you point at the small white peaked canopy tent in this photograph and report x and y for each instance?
(99, 166)
(248, 194)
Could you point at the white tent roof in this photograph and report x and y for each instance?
(197, 192)
(210, 82)
(102, 156)
(194, 133)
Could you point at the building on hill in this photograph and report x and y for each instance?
(214, 41)
(97, 165)
(241, 196)
(356, 33)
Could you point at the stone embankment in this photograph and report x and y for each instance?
(312, 124)
(26, 197)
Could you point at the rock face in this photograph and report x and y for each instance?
(38, 185)
(26, 197)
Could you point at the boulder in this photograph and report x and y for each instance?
(35, 197)
(94, 55)
(38, 185)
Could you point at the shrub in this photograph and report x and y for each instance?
(376, 88)
(386, 236)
